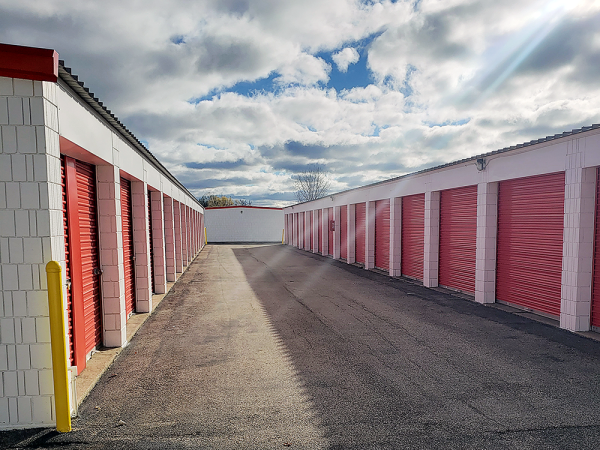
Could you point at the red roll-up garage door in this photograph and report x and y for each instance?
(128, 253)
(413, 235)
(310, 227)
(184, 223)
(382, 234)
(301, 232)
(90, 260)
(320, 230)
(360, 227)
(596, 271)
(296, 232)
(458, 232)
(330, 219)
(530, 237)
(344, 232)
(68, 274)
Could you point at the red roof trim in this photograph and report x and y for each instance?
(29, 63)
(250, 207)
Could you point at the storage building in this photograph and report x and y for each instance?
(77, 187)
(520, 226)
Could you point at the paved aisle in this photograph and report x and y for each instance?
(205, 371)
(268, 346)
(390, 364)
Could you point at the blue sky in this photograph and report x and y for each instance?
(235, 96)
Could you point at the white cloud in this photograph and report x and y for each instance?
(345, 57)
(449, 80)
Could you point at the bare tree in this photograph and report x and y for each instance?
(311, 184)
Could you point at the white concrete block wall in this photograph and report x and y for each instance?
(177, 236)
(370, 236)
(30, 236)
(431, 253)
(185, 257)
(143, 286)
(244, 224)
(578, 241)
(110, 237)
(158, 242)
(396, 237)
(485, 253)
(169, 239)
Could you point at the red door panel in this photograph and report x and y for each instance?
(310, 218)
(413, 235)
(458, 231)
(68, 274)
(90, 254)
(360, 225)
(330, 218)
(183, 233)
(530, 237)
(382, 234)
(128, 253)
(320, 230)
(344, 232)
(301, 233)
(596, 272)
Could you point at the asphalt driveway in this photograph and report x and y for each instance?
(271, 347)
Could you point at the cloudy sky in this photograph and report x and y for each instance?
(235, 96)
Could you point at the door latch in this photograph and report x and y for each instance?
(97, 271)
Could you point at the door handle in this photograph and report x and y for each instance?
(97, 271)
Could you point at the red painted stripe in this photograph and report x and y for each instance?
(29, 63)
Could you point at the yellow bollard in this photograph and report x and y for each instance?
(283, 236)
(59, 347)
(205, 237)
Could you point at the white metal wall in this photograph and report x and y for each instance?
(244, 224)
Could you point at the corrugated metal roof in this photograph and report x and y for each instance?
(65, 74)
(472, 158)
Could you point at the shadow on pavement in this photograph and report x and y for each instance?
(391, 364)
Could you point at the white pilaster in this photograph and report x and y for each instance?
(396, 236)
(351, 233)
(432, 239)
(114, 316)
(578, 242)
(487, 230)
(177, 236)
(158, 244)
(139, 212)
(169, 239)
